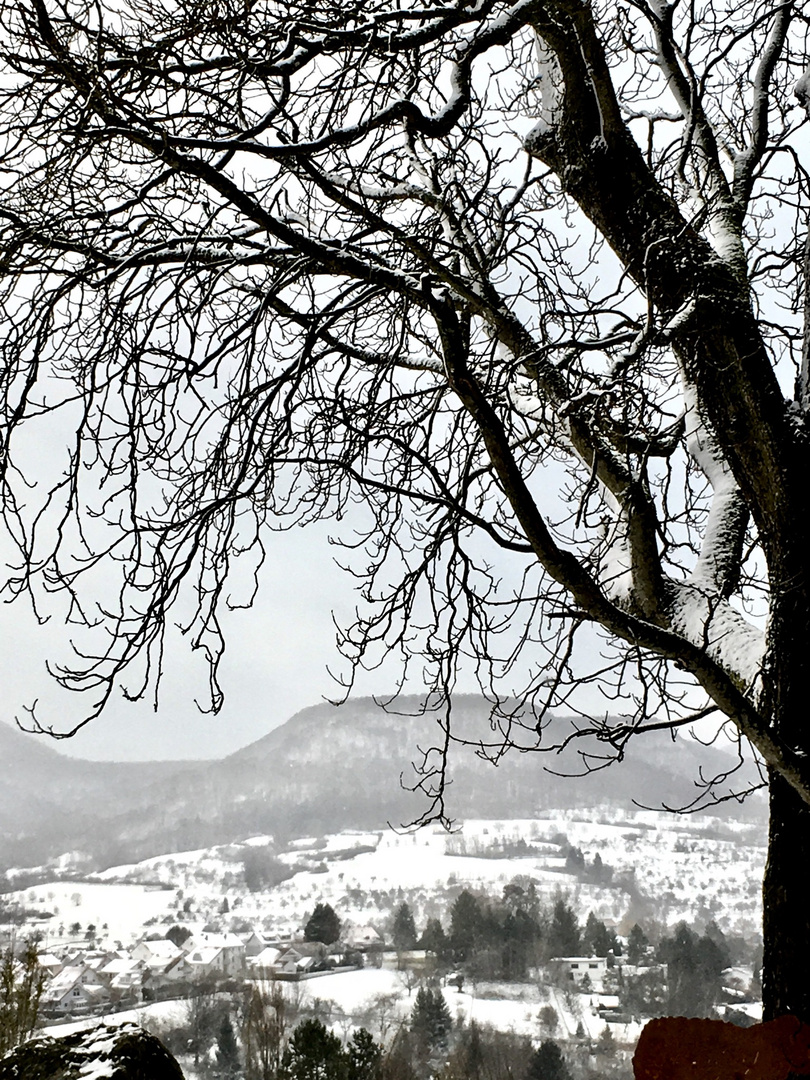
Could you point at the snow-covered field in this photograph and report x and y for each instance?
(118, 911)
(664, 868)
(380, 1000)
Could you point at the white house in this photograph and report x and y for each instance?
(124, 976)
(75, 989)
(301, 957)
(50, 964)
(363, 937)
(576, 968)
(266, 960)
(227, 959)
(156, 954)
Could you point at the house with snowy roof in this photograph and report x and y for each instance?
(124, 976)
(363, 938)
(301, 957)
(208, 960)
(577, 968)
(50, 964)
(156, 979)
(76, 989)
(265, 961)
(229, 953)
(156, 953)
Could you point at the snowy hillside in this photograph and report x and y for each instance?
(327, 769)
(659, 868)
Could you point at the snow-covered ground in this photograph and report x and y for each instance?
(117, 911)
(364, 998)
(665, 868)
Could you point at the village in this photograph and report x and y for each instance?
(83, 979)
(154, 931)
(530, 931)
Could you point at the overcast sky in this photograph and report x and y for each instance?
(275, 664)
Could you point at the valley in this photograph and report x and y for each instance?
(300, 820)
(665, 869)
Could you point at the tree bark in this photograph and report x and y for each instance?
(786, 910)
(706, 314)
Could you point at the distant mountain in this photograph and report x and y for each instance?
(326, 769)
(51, 803)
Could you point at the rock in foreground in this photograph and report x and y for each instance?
(125, 1052)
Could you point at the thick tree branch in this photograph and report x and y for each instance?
(705, 312)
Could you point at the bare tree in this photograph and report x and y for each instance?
(517, 285)
(268, 1019)
(203, 1013)
(22, 981)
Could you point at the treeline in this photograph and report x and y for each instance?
(503, 938)
(265, 1037)
(510, 936)
(682, 974)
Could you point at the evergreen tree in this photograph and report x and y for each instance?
(548, 1063)
(605, 1044)
(323, 925)
(314, 1053)
(600, 873)
(694, 965)
(597, 940)
(473, 1053)
(404, 932)
(434, 939)
(563, 933)
(637, 944)
(520, 933)
(521, 894)
(574, 861)
(442, 1020)
(227, 1049)
(644, 994)
(431, 1022)
(465, 925)
(365, 1057)
(178, 934)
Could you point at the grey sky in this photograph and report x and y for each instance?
(275, 664)
(276, 660)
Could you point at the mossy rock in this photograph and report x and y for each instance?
(105, 1052)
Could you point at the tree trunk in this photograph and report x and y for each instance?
(785, 890)
(786, 906)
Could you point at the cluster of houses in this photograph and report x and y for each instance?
(88, 980)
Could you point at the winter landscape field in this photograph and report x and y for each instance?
(665, 869)
(630, 893)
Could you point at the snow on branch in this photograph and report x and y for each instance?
(549, 85)
(801, 91)
(718, 562)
